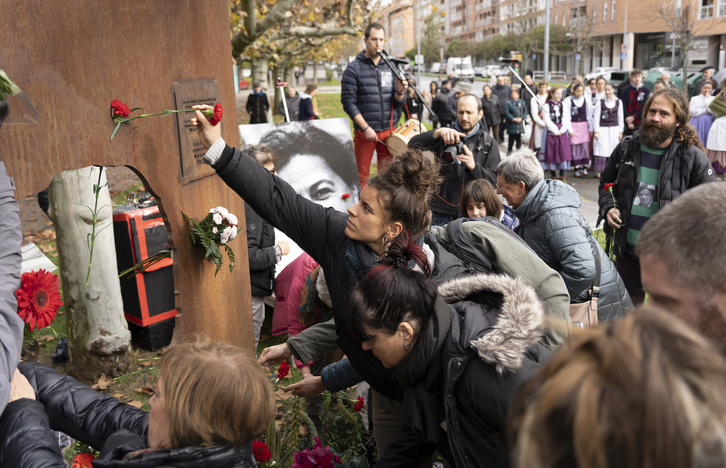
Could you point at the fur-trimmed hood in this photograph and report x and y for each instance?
(517, 326)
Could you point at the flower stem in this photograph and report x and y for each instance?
(92, 240)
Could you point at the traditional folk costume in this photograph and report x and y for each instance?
(716, 146)
(556, 152)
(701, 117)
(539, 123)
(609, 123)
(580, 127)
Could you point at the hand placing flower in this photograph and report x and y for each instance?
(120, 113)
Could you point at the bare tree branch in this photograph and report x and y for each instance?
(254, 30)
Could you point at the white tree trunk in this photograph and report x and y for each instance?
(96, 322)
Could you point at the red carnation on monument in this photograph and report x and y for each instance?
(283, 370)
(38, 298)
(119, 108)
(83, 460)
(261, 451)
(345, 196)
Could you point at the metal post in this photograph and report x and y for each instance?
(547, 42)
(418, 41)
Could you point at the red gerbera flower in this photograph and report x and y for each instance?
(607, 186)
(83, 460)
(119, 108)
(38, 298)
(359, 404)
(217, 116)
(283, 370)
(261, 451)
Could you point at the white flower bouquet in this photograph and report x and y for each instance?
(213, 233)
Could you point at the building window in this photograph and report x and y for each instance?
(706, 9)
(612, 12)
(604, 11)
(594, 14)
(721, 9)
(555, 19)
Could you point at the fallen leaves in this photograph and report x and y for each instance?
(103, 383)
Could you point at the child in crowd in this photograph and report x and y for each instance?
(480, 199)
(556, 153)
(515, 112)
(578, 108)
(608, 125)
(306, 103)
(536, 104)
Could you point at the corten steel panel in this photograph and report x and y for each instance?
(72, 59)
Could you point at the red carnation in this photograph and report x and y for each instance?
(261, 451)
(359, 404)
(38, 298)
(607, 186)
(83, 460)
(283, 370)
(217, 116)
(345, 196)
(119, 108)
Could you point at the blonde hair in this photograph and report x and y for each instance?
(216, 394)
(644, 391)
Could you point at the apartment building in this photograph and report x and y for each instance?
(599, 28)
(471, 20)
(398, 19)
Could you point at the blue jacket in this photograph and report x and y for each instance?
(369, 90)
(550, 223)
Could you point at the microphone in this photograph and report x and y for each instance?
(508, 60)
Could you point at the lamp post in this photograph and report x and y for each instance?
(547, 42)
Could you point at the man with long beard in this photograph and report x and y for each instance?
(666, 157)
(683, 260)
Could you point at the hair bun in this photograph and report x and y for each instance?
(413, 172)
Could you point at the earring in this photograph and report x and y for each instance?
(407, 346)
(385, 240)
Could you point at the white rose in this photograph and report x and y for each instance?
(234, 233)
(217, 218)
(224, 239)
(222, 210)
(213, 210)
(232, 219)
(215, 230)
(228, 232)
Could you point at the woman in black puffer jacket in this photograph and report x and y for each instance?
(213, 425)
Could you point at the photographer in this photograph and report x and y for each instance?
(466, 152)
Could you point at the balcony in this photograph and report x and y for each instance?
(455, 3)
(483, 22)
(456, 16)
(456, 30)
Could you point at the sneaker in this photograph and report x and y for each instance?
(584, 172)
(578, 174)
(509, 153)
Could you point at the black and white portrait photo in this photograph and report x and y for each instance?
(645, 195)
(316, 158)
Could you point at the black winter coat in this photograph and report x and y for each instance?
(681, 168)
(448, 195)
(465, 369)
(369, 89)
(504, 94)
(490, 106)
(443, 106)
(101, 421)
(261, 253)
(257, 106)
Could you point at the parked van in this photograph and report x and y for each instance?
(460, 67)
(435, 68)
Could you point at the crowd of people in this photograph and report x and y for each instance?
(498, 334)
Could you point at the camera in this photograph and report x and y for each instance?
(450, 152)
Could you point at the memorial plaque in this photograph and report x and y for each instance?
(191, 149)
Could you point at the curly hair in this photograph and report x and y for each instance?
(684, 132)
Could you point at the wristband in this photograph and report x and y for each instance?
(365, 129)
